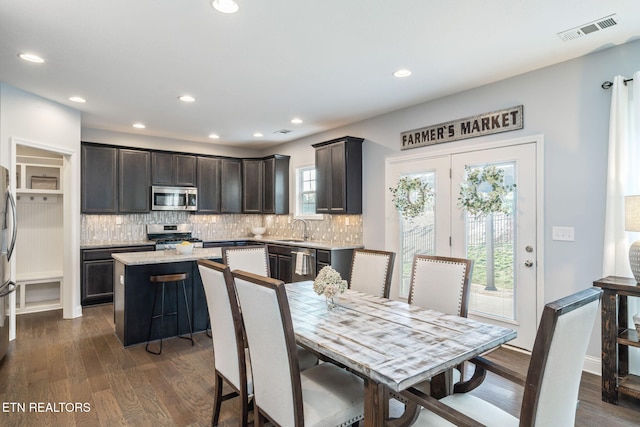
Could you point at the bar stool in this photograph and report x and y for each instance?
(164, 279)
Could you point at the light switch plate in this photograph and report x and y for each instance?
(566, 234)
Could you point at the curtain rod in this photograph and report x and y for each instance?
(607, 85)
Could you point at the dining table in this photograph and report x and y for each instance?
(392, 345)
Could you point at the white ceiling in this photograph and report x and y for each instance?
(329, 62)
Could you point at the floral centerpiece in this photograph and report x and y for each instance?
(410, 196)
(329, 283)
(484, 191)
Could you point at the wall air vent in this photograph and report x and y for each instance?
(589, 27)
(283, 131)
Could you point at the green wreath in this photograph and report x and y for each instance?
(410, 196)
(484, 191)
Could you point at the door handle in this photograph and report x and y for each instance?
(528, 263)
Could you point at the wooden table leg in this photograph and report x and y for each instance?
(376, 407)
(442, 384)
(609, 347)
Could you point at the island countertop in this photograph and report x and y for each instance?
(166, 256)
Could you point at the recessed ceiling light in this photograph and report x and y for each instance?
(258, 135)
(296, 121)
(225, 6)
(30, 57)
(214, 136)
(139, 125)
(77, 99)
(186, 98)
(403, 72)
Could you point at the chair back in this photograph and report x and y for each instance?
(371, 271)
(272, 348)
(253, 259)
(441, 283)
(226, 322)
(551, 390)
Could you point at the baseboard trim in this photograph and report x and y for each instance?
(593, 365)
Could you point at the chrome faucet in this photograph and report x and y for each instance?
(305, 236)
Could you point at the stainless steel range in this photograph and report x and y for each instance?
(167, 236)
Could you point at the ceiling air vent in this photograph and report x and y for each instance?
(588, 28)
(283, 131)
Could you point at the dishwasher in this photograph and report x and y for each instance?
(303, 264)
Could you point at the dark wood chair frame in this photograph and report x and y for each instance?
(535, 374)
(290, 341)
(390, 264)
(244, 403)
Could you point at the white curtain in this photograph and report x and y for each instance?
(623, 176)
(623, 179)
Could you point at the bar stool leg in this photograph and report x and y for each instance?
(153, 317)
(186, 306)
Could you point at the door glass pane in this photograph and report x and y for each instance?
(490, 243)
(417, 236)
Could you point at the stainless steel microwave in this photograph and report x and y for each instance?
(174, 198)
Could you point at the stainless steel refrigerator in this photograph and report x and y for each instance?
(7, 244)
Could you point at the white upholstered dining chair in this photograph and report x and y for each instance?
(371, 271)
(255, 259)
(229, 351)
(441, 283)
(323, 395)
(551, 386)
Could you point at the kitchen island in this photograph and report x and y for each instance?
(134, 293)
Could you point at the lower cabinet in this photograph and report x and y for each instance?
(280, 262)
(339, 259)
(97, 273)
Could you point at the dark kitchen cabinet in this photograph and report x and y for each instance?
(208, 185)
(99, 179)
(280, 262)
(173, 169)
(339, 176)
(275, 195)
(230, 185)
(134, 181)
(252, 185)
(97, 273)
(339, 259)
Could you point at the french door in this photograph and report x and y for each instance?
(505, 288)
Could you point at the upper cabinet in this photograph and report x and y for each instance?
(231, 186)
(275, 195)
(209, 185)
(114, 180)
(252, 185)
(99, 179)
(339, 176)
(133, 176)
(173, 169)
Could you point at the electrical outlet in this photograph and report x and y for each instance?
(566, 234)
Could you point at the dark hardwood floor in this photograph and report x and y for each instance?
(65, 363)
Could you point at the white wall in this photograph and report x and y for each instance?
(563, 102)
(29, 119)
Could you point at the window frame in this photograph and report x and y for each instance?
(298, 171)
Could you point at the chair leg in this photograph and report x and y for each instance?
(186, 306)
(217, 401)
(244, 410)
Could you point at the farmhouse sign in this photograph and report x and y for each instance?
(469, 127)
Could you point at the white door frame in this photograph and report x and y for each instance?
(455, 148)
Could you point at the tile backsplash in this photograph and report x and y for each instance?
(342, 229)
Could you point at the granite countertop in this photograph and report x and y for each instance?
(116, 244)
(290, 241)
(169, 255)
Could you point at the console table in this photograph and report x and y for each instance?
(617, 337)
